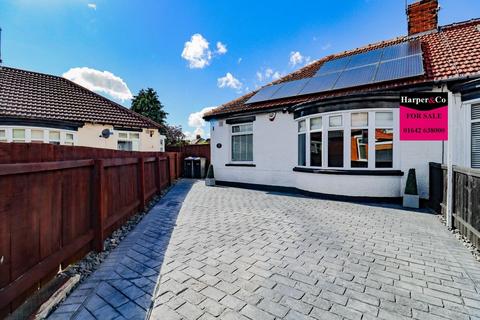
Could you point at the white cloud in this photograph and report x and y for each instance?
(92, 6)
(239, 60)
(221, 48)
(195, 119)
(259, 76)
(229, 81)
(326, 46)
(196, 122)
(295, 58)
(100, 81)
(196, 52)
(276, 75)
(268, 74)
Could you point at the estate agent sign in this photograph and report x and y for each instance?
(424, 116)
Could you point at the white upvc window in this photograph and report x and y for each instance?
(242, 142)
(475, 136)
(357, 139)
(128, 141)
(37, 135)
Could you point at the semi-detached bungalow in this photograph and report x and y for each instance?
(333, 127)
(42, 108)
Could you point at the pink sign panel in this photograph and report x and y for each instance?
(424, 116)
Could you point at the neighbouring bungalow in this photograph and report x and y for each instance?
(333, 127)
(42, 108)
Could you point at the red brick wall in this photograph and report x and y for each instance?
(422, 16)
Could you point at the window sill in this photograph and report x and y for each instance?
(352, 172)
(240, 165)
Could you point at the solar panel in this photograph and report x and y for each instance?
(402, 50)
(291, 88)
(265, 93)
(320, 83)
(356, 77)
(333, 65)
(400, 68)
(398, 61)
(365, 58)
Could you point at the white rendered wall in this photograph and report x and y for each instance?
(275, 156)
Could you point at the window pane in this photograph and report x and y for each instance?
(335, 121)
(19, 134)
(384, 119)
(242, 128)
(360, 119)
(359, 148)
(122, 135)
(69, 136)
(335, 148)
(315, 123)
(302, 139)
(476, 145)
(134, 135)
(383, 148)
(242, 147)
(124, 145)
(301, 126)
(54, 135)
(3, 134)
(37, 135)
(316, 149)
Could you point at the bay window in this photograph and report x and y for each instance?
(242, 142)
(357, 139)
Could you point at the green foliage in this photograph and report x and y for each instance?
(210, 172)
(174, 136)
(146, 103)
(411, 185)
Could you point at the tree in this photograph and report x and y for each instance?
(174, 135)
(146, 103)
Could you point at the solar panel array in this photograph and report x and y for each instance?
(394, 62)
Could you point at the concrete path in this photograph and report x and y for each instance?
(243, 254)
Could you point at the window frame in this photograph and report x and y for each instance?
(28, 134)
(347, 129)
(135, 147)
(242, 133)
(475, 103)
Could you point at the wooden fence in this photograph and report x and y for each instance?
(466, 198)
(192, 150)
(57, 203)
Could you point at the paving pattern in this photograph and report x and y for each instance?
(244, 254)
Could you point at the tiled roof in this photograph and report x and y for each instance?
(32, 95)
(452, 51)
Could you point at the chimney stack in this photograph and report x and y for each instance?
(422, 16)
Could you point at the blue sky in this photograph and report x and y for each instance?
(163, 44)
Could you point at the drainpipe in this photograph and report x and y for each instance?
(449, 214)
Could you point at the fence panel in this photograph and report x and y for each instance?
(59, 202)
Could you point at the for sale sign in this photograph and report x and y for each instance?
(424, 116)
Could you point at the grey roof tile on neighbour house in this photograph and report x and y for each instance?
(449, 52)
(36, 96)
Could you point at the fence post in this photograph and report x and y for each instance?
(99, 204)
(167, 166)
(141, 183)
(158, 175)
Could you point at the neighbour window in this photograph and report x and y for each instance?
(18, 135)
(3, 135)
(69, 139)
(383, 140)
(302, 143)
(37, 136)
(242, 142)
(54, 137)
(335, 142)
(475, 136)
(355, 127)
(359, 140)
(128, 141)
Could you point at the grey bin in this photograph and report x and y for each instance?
(194, 167)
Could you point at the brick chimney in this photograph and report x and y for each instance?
(422, 16)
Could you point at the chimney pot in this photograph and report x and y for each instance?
(422, 16)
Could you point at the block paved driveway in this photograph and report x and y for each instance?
(243, 254)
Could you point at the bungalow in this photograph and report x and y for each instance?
(337, 126)
(42, 108)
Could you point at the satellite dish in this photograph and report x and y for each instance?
(106, 133)
(272, 115)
